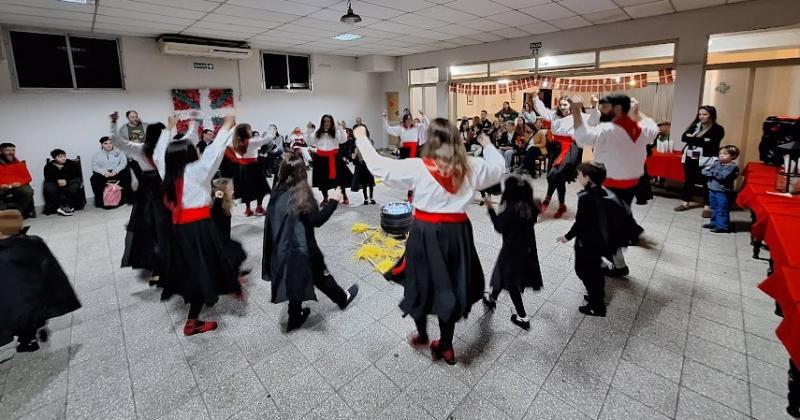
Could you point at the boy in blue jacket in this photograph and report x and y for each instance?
(721, 174)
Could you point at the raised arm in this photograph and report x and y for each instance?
(318, 217)
(341, 136)
(208, 164)
(310, 137)
(542, 110)
(391, 130)
(160, 151)
(400, 174)
(191, 133)
(124, 144)
(487, 171)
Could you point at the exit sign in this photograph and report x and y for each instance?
(204, 66)
(535, 45)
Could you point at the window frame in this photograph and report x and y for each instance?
(66, 34)
(288, 75)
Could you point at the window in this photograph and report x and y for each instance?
(50, 61)
(286, 72)
(510, 68)
(752, 46)
(568, 61)
(638, 56)
(423, 76)
(469, 71)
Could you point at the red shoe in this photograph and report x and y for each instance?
(346, 201)
(545, 204)
(260, 211)
(448, 355)
(560, 212)
(194, 326)
(415, 340)
(248, 212)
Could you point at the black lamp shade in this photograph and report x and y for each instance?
(350, 17)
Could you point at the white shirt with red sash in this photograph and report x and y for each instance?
(621, 146)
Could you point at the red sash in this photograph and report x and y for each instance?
(331, 155)
(182, 216)
(566, 143)
(424, 216)
(231, 155)
(622, 184)
(411, 145)
(445, 181)
(630, 126)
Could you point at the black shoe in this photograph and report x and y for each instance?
(44, 335)
(616, 272)
(794, 411)
(298, 322)
(372, 201)
(717, 230)
(64, 211)
(588, 310)
(28, 347)
(366, 202)
(352, 292)
(708, 226)
(491, 304)
(586, 297)
(525, 325)
(641, 202)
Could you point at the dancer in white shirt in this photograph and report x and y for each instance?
(330, 169)
(411, 134)
(443, 272)
(249, 182)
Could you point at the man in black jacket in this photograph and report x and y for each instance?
(62, 185)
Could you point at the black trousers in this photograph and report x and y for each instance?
(794, 387)
(516, 299)
(326, 284)
(56, 196)
(447, 329)
(588, 268)
(560, 186)
(99, 182)
(22, 200)
(693, 176)
(529, 159)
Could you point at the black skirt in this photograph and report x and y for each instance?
(199, 269)
(249, 182)
(443, 273)
(149, 226)
(405, 152)
(517, 268)
(320, 178)
(362, 177)
(567, 171)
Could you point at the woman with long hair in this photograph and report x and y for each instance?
(223, 191)
(703, 138)
(443, 275)
(330, 169)
(249, 181)
(149, 224)
(198, 270)
(411, 134)
(292, 260)
(566, 157)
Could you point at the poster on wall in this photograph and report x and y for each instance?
(212, 103)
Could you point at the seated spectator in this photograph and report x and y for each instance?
(507, 113)
(15, 180)
(62, 185)
(536, 147)
(109, 165)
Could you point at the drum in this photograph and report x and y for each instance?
(396, 218)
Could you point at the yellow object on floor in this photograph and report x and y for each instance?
(378, 246)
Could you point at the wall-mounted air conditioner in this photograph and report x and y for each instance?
(203, 47)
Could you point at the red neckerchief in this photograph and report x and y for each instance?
(445, 181)
(630, 126)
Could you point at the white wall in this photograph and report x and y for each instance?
(691, 30)
(40, 121)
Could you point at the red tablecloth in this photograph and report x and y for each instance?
(665, 165)
(778, 224)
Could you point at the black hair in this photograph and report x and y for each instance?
(104, 139)
(518, 198)
(128, 113)
(57, 152)
(4, 145)
(622, 100)
(483, 110)
(712, 112)
(594, 170)
(179, 154)
(151, 136)
(461, 125)
(321, 130)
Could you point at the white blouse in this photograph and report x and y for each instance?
(564, 126)
(326, 142)
(415, 133)
(429, 195)
(253, 146)
(198, 175)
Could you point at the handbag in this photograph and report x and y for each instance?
(112, 194)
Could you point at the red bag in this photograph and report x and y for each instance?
(112, 194)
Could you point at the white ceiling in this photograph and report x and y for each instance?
(390, 27)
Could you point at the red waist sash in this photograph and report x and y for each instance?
(622, 184)
(566, 143)
(182, 216)
(424, 216)
(411, 145)
(331, 155)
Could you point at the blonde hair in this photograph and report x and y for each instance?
(444, 144)
(221, 184)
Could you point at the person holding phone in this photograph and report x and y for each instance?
(702, 141)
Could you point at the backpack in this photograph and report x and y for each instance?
(112, 194)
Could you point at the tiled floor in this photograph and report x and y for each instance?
(688, 336)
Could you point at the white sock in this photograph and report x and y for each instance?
(522, 318)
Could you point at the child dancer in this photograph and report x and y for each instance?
(330, 170)
(291, 260)
(362, 178)
(34, 286)
(249, 179)
(443, 272)
(198, 268)
(221, 214)
(297, 140)
(149, 224)
(517, 265)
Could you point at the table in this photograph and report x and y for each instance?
(777, 222)
(665, 165)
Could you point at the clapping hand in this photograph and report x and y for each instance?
(114, 117)
(336, 195)
(576, 104)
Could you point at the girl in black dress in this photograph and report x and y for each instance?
(221, 214)
(362, 178)
(518, 264)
